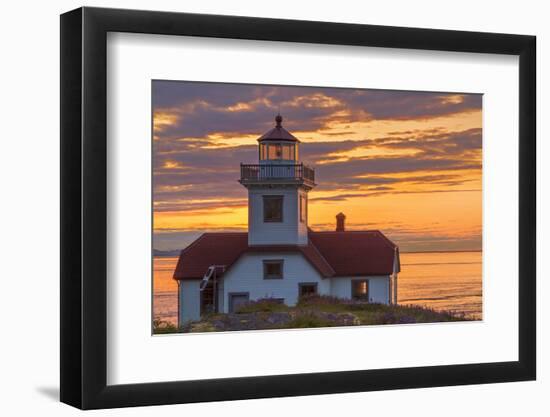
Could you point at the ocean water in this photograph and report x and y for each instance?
(165, 289)
(443, 281)
(440, 280)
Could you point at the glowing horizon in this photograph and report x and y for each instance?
(406, 163)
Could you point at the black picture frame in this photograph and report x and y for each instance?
(84, 207)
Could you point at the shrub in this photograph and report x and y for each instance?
(163, 327)
(262, 305)
(353, 305)
(316, 299)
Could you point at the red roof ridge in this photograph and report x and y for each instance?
(197, 244)
(328, 272)
(225, 233)
(376, 231)
(346, 231)
(193, 243)
(310, 242)
(388, 241)
(274, 246)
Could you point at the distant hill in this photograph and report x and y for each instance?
(174, 252)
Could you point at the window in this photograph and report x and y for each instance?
(307, 288)
(287, 152)
(274, 151)
(277, 151)
(273, 269)
(263, 151)
(303, 208)
(273, 208)
(360, 290)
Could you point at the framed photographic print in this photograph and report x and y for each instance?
(258, 208)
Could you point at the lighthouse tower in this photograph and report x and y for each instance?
(278, 189)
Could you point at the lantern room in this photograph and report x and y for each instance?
(278, 161)
(278, 146)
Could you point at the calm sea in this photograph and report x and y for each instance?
(442, 280)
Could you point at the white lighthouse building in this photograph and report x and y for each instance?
(278, 188)
(280, 257)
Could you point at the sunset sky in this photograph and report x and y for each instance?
(406, 163)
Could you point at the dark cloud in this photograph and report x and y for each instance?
(192, 207)
(202, 108)
(344, 197)
(441, 143)
(403, 105)
(170, 94)
(202, 173)
(394, 164)
(194, 176)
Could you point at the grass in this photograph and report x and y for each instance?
(308, 320)
(310, 311)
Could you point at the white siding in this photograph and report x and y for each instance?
(246, 275)
(289, 231)
(393, 283)
(189, 301)
(302, 226)
(378, 288)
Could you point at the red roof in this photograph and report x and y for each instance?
(332, 254)
(210, 249)
(278, 133)
(352, 253)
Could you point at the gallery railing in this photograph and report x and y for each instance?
(260, 172)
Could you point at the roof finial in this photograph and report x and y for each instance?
(279, 119)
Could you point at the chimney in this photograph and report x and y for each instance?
(340, 222)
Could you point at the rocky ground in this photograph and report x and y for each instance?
(315, 311)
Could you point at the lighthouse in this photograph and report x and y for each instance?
(278, 187)
(280, 258)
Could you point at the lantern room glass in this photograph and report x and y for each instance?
(278, 152)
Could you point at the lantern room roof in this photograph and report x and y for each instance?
(278, 133)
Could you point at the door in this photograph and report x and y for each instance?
(236, 300)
